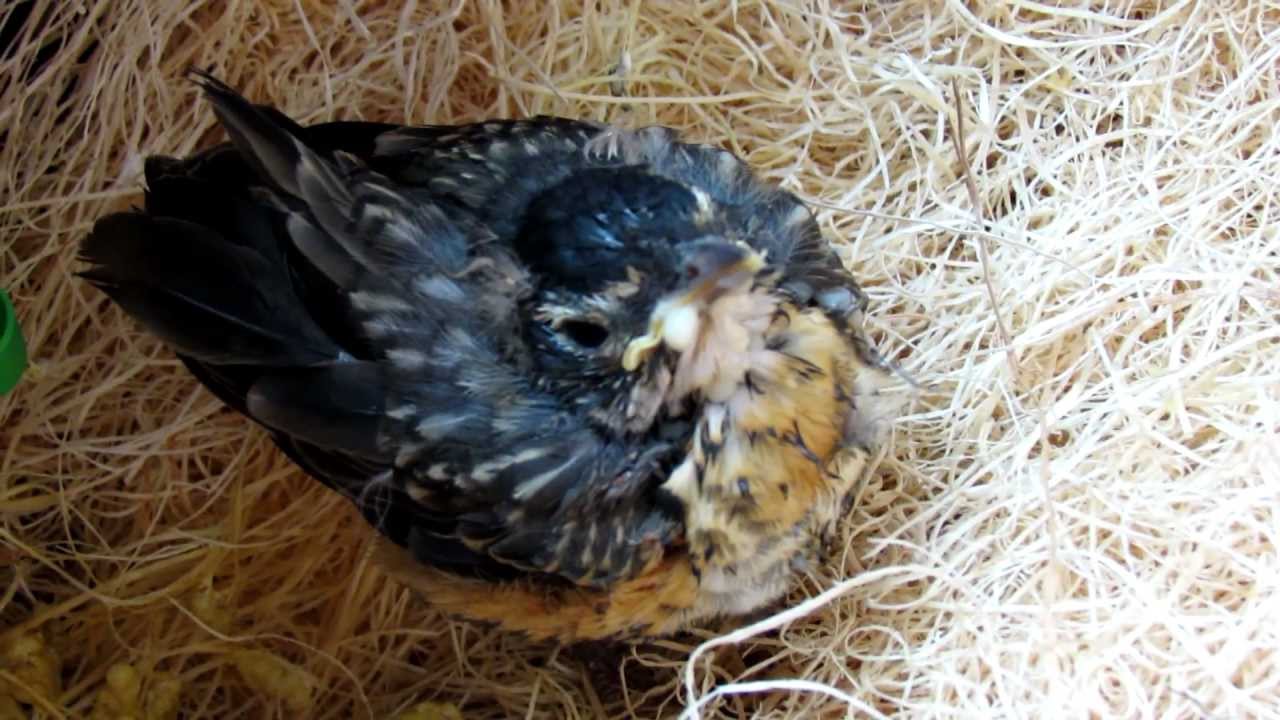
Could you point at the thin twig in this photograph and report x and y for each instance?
(957, 139)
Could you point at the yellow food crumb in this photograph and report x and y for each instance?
(275, 677)
(122, 697)
(34, 667)
(431, 711)
(119, 698)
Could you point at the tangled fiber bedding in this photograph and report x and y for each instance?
(1077, 518)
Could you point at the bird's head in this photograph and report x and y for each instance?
(643, 292)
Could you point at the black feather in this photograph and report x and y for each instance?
(214, 300)
(340, 406)
(585, 231)
(267, 139)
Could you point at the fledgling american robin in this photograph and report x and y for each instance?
(592, 382)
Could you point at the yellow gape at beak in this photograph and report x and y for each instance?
(713, 268)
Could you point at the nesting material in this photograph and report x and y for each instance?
(1079, 516)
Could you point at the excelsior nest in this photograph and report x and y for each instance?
(1079, 517)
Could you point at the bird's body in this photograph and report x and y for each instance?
(589, 382)
(767, 493)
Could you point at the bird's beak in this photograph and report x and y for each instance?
(711, 269)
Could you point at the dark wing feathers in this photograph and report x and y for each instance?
(348, 397)
(219, 302)
(268, 141)
(326, 282)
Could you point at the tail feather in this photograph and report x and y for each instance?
(266, 140)
(236, 264)
(193, 190)
(275, 145)
(215, 300)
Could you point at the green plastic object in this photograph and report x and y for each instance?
(13, 351)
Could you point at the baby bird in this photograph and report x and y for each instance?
(589, 382)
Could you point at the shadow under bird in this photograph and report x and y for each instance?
(590, 382)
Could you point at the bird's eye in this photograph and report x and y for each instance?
(584, 333)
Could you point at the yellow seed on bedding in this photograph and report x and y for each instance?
(276, 678)
(121, 697)
(35, 668)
